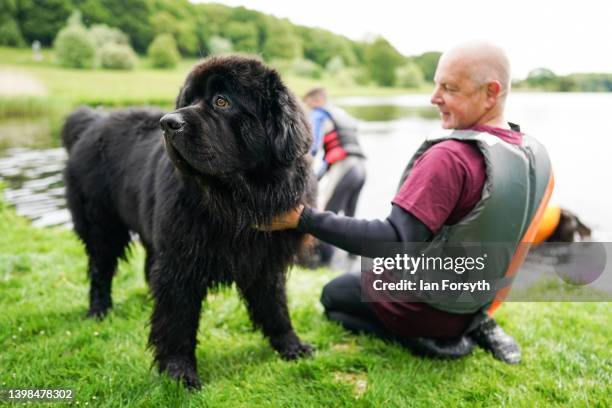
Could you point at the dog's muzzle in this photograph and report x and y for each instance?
(172, 123)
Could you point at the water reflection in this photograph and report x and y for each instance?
(33, 133)
(33, 184)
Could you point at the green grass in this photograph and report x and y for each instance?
(46, 342)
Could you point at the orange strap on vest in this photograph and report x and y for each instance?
(524, 245)
(549, 223)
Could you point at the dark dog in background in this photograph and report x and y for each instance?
(570, 229)
(234, 154)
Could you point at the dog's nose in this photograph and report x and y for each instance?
(172, 122)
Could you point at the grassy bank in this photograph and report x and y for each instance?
(67, 88)
(45, 342)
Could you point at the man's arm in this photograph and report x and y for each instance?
(353, 235)
(421, 207)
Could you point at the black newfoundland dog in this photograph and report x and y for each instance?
(233, 154)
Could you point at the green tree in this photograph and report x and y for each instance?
(567, 84)
(94, 12)
(541, 78)
(359, 48)
(162, 52)
(103, 34)
(428, 62)
(117, 56)
(282, 42)
(210, 18)
(381, 61)
(73, 45)
(219, 45)
(179, 27)
(8, 8)
(334, 65)
(321, 46)
(409, 75)
(131, 17)
(592, 82)
(243, 35)
(257, 19)
(42, 19)
(10, 34)
(305, 68)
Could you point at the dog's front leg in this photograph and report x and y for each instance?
(266, 301)
(174, 323)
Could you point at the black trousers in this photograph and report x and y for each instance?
(341, 299)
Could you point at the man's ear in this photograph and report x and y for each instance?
(494, 90)
(287, 128)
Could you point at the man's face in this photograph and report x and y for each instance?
(460, 101)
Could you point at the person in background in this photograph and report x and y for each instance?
(484, 181)
(339, 160)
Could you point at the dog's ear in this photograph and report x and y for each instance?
(184, 95)
(181, 99)
(582, 230)
(286, 124)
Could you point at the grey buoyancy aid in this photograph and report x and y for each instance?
(517, 188)
(342, 140)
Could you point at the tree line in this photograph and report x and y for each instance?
(204, 29)
(544, 79)
(199, 30)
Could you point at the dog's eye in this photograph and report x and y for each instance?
(221, 102)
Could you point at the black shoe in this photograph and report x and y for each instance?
(440, 348)
(491, 337)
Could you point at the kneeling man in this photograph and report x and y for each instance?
(484, 181)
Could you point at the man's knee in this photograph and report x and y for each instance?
(341, 291)
(326, 296)
(333, 291)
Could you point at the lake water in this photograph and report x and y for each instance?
(574, 127)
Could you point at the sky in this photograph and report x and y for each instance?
(564, 36)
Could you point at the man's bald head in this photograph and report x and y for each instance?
(472, 82)
(483, 62)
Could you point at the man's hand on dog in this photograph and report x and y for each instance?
(288, 220)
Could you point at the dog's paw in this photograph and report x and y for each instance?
(296, 351)
(291, 348)
(97, 312)
(182, 370)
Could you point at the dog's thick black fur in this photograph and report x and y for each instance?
(234, 154)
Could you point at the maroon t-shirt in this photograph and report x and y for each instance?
(444, 185)
(446, 181)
